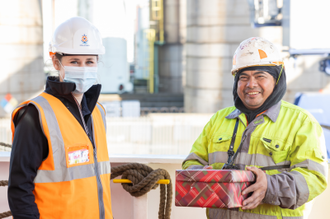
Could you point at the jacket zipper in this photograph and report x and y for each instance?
(98, 178)
(81, 116)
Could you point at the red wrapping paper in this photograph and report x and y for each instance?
(212, 188)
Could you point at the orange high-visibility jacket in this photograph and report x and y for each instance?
(74, 180)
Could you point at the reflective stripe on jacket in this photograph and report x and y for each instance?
(64, 186)
(284, 134)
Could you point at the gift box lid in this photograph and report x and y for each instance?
(211, 175)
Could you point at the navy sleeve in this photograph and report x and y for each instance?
(30, 148)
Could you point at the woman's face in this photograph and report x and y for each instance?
(75, 61)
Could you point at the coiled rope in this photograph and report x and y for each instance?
(8, 213)
(5, 145)
(5, 183)
(5, 214)
(144, 178)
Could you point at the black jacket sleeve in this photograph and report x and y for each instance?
(30, 148)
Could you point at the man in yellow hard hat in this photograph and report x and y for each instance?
(282, 144)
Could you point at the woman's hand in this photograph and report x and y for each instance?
(207, 167)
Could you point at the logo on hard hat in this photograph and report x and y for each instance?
(84, 39)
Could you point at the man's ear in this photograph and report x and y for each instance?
(56, 63)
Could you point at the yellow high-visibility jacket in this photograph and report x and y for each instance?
(283, 135)
(74, 180)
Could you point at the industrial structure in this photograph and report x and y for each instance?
(21, 43)
(194, 58)
(182, 48)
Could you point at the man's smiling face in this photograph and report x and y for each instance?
(254, 87)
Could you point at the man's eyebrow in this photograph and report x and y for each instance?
(242, 73)
(255, 73)
(259, 72)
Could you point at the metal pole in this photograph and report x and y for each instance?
(151, 40)
(53, 15)
(156, 76)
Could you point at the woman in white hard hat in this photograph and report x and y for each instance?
(59, 165)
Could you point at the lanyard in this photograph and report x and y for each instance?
(232, 155)
(231, 152)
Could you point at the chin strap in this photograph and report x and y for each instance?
(280, 74)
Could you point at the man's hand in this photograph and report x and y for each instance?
(207, 167)
(259, 189)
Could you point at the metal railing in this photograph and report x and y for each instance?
(5, 134)
(155, 133)
(147, 110)
(151, 134)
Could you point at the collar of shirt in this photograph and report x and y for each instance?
(271, 113)
(62, 91)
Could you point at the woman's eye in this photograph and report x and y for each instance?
(74, 62)
(90, 62)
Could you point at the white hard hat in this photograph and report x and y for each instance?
(255, 51)
(76, 36)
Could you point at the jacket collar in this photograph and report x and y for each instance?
(271, 113)
(64, 89)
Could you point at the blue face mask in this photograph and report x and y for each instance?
(83, 77)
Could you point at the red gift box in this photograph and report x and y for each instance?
(211, 188)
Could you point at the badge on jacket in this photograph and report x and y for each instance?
(79, 156)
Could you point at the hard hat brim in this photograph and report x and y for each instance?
(76, 52)
(235, 70)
